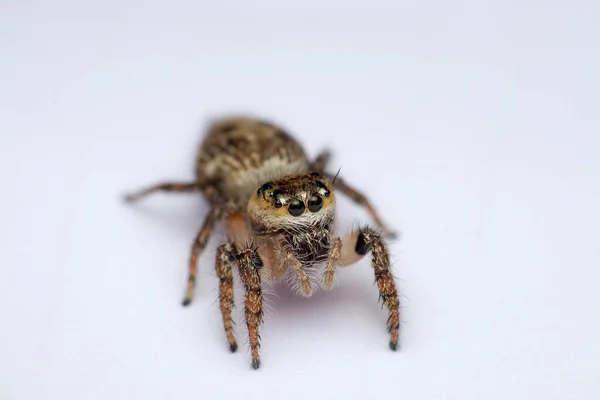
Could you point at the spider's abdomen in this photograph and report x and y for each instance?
(239, 154)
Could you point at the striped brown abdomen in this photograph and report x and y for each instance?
(239, 154)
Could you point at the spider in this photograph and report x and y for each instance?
(278, 208)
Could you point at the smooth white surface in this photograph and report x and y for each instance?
(472, 125)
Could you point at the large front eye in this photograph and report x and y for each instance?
(296, 208)
(315, 204)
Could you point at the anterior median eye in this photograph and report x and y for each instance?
(315, 203)
(296, 208)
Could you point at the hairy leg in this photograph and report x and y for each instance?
(215, 215)
(173, 187)
(353, 248)
(249, 264)
(363, 201)
(224, 263)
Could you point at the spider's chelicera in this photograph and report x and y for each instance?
(278, 207)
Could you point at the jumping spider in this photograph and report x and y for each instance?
(278, 209)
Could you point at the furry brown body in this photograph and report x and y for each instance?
(278, 207)
(240, 154)
(237, 156)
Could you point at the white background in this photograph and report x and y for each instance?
(472, 125)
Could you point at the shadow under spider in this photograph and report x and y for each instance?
(352, 297)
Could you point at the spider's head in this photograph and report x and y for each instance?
(292, 202)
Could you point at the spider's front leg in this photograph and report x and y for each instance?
(224, 266)
(288, 258)
(354, 247)
(249, 264)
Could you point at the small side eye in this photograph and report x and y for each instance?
(261, 191)
(322, 186)
(315, 203)
(296, 208)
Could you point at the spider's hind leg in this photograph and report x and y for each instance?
(172, 187)
(320, 162)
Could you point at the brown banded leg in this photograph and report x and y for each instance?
(215, 215)
(174, 187)
(362, 200)
(320, 162)
(249, 264)
(356, 246)
(225, 260)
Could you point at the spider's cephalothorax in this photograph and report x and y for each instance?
(278, 208)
